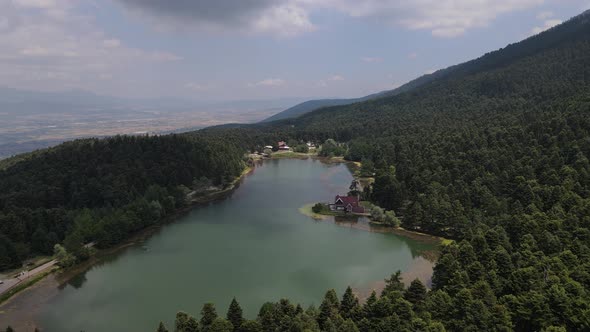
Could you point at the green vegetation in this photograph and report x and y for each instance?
(331, 148)
(307, 210)
(301, 148)
(319, 208)
(493, 154)
(380, 216)
(288, 154)
(102, 190)
(396, 309)
(367, 167)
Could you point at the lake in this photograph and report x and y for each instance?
(255, 246)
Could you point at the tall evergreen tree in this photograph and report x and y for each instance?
(235, 314)
(393, 285)
(416, 293)
(328, 309)
(349, 304)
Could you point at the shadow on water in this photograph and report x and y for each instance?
(427, 251)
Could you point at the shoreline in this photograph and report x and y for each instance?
(63, 276)
(353, 221)
(44, 288)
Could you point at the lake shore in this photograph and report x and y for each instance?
(22, 307)
(363, 223)
(139, 236)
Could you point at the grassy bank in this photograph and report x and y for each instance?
(291, 154)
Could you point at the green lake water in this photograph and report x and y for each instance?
(255, 246)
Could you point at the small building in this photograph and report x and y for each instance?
(283, 146)
(269, 147)
(310, 145)
(349, 204)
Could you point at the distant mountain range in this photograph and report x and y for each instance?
(314, 105)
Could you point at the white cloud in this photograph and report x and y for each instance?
(111, 43)
(271, 82)
(333, 78)
(336, 78)
(412, 55)
(371, 59)
(544, 15)
(286, 21)
(443, 18)
(46, 45)
(548, 24)
(164, 56)
(284, 18)
(197, 87)
(105, 76)
(37, 4)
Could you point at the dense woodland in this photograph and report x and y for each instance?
(102, 190)
(492, 153)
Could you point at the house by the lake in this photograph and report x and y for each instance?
(283, 146)
(347, 204)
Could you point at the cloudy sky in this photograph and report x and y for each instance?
(254, 49)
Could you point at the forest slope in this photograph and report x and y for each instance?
(494, 154)
(101, 190)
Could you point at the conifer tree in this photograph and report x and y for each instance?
(416, 293)
(349, 303)
(393, 284)
(368, 306)
(328, 308)
(235, 314)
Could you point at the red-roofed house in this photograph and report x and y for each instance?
(347, 204)
(283, 146)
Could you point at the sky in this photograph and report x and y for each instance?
(215, 50)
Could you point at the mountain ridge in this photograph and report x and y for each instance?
(490, 59)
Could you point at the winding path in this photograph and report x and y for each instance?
(13, 282)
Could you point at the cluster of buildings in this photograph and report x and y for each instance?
(282, 146)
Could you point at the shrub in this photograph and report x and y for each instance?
(318, 208)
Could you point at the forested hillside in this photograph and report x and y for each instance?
(494, 154)
(101, 190)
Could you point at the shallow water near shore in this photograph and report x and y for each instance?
(255, 246)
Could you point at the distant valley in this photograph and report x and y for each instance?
(34, 120)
